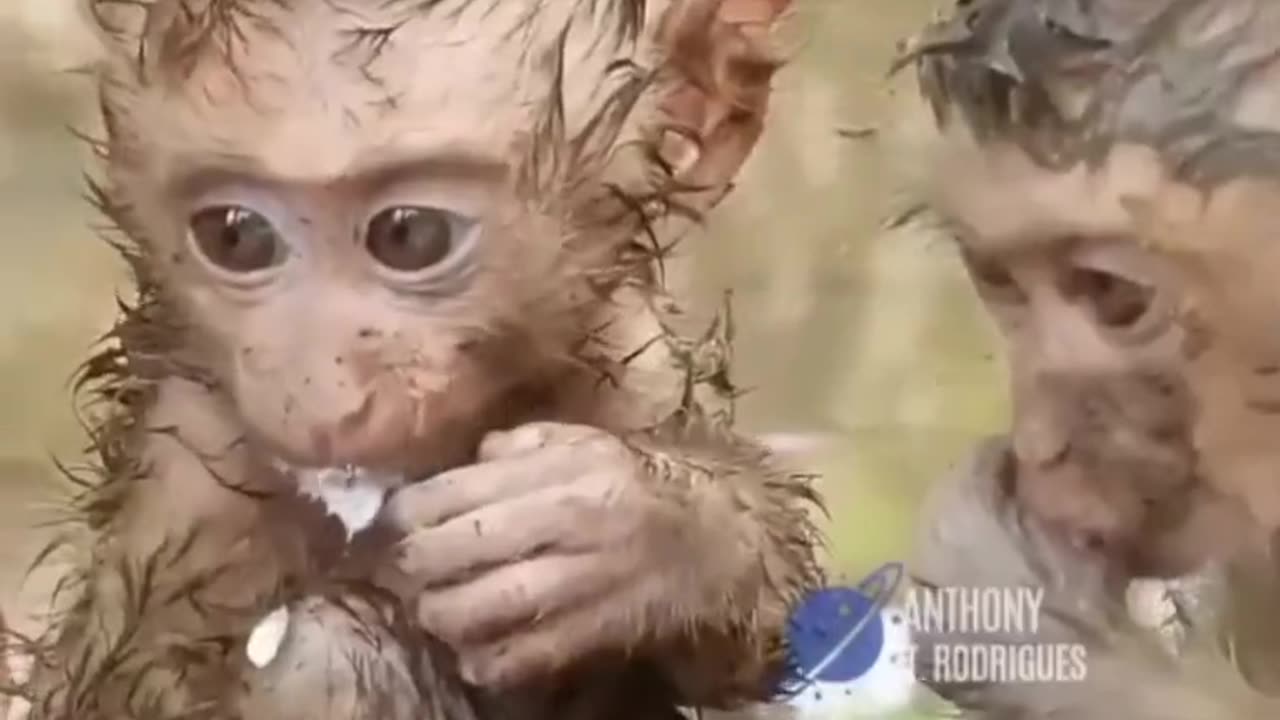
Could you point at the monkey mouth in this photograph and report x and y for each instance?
(354, 495)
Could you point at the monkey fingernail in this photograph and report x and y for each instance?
(513, 442)
(486, 668)
(680, 149)
(469, 671)
(477, 667)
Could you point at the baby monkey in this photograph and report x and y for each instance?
(1069, 133)
(406, 257)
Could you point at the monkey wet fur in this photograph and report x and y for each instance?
(424, 240)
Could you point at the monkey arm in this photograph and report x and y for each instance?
(972, 535)
(744, 543)
(748, 554)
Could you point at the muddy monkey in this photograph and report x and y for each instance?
(1113, 123)
(976, 534)
(409, 253)
(1102, 426)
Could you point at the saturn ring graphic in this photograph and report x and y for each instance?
(850, 652)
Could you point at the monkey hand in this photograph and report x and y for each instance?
(563, 541)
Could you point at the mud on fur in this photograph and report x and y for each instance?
(252, 149)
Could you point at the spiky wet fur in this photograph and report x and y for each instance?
(615, 235)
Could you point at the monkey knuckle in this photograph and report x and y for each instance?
(598, 492)
(575, 512)
(494, 669)
(597, 447)
(518, 592)
(446, 620)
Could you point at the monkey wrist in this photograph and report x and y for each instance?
(750, 554)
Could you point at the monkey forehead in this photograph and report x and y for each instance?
(1000, 198)
(1065, 80)
(307, 90)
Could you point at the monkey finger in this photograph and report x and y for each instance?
(501, 600)
(534, 436)
(539, 652)
(549, 519)
(516, 441)
(467, 489)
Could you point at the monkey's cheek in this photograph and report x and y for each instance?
(1211, 529)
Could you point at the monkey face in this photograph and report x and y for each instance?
(364, 332)
(1102, 418)
(1103, 414)
(375, 227)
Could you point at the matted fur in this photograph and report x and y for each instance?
(601, 180)
(1067, 81)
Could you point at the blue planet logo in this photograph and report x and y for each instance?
(837, 634)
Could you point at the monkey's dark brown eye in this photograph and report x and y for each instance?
(236, 239)
(407, 239)
(993, 279)
(1116, 301)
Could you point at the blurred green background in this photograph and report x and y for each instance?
(870, 339)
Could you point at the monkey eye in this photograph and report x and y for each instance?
(236, 239)
(1116, 302)
(993, 280)
(410, 239)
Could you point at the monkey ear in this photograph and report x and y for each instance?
(721, 63)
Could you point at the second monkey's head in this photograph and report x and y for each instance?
(1059, 122)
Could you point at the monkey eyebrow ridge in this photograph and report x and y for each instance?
(200, 174)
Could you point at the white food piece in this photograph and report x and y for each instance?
(354, 496)
(267, 637)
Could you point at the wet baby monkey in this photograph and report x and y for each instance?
(405, 257)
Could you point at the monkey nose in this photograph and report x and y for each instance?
(373, 433)
(1101, 537)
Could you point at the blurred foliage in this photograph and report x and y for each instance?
(874, 337)
(870, 338)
